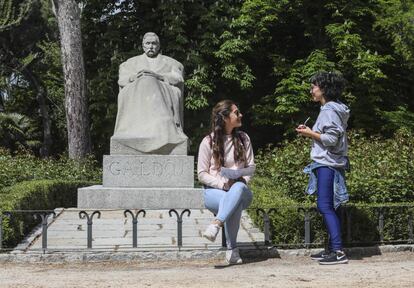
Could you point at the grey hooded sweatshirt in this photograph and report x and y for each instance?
(332, 122)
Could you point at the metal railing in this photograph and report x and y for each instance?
(346, 214)
(308, 213)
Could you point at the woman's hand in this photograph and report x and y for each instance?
(228, 184)
(307, 132)
(241, 179)
(304, 130)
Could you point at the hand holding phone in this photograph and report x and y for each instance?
(303, 126)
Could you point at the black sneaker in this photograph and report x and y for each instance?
(320, 256)
(337, 257)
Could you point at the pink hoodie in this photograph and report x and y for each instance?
(208, 173)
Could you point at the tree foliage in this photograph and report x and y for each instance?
(16, 132)
(259, 53)
(347, 36)
(26, 66)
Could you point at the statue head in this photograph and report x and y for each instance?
(151, 44)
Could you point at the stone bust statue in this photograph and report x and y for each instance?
(150, 103)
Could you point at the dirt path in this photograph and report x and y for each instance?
(388, 270)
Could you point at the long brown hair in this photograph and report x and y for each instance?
(220, 112)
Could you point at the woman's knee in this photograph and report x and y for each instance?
(240, 187)
(212, 199)
(245, 193)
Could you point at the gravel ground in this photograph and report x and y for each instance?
(387, 270)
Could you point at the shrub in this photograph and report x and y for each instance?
(287, 225)
(283, 167)
(24, 166)
(34, 195)
(380, 173)
(381, 169)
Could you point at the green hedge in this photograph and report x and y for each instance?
(287, 223)
(381, 169)
(24, 167)
(381, 172)
(34, 195)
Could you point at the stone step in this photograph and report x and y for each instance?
(113, 232)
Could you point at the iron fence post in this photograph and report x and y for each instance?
(307, 220)
(326, 242)
(307, 229)
(410, 227)
(179, 224)
(134, 224)
(266, 223)
(348, 224)
(1, 231)
(83, 215)
(381, 223)
(44, 217)
(223, 237)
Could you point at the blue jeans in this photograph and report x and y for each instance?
(326, 207)
(228, 207)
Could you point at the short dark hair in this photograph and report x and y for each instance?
(332, 84)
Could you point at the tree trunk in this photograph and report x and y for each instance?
(44, 112)
(77, 120)
(1, 103)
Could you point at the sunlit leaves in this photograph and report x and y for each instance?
(292, 92)
(351, 52)
(396, 19)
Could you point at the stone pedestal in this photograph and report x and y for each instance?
(144, 182)
(144, 171)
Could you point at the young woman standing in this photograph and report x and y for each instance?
(329, 156)
(228, 147)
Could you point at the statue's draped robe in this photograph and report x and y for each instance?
(150, 114)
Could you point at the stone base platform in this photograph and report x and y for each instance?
(157, 240)
(100, 197)
(112, 238)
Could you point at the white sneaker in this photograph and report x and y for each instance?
(211, 232)
(233, 257)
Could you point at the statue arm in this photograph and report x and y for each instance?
(126, 74)
(175, 76)
(146, 72)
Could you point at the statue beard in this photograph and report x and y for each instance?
(151, 53)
